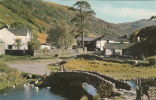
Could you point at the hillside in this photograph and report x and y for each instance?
(44, 15)
(129, 28)
(7, 16)
(40, 16)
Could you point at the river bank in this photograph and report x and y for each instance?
(12, 68)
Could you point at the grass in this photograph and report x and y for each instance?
(116, 70)
(28, 58)
(9, 76)
(15, 59)
(7, 16)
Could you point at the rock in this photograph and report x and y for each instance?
(149, 92)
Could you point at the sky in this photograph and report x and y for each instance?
(118, 11)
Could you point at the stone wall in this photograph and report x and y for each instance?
(104, 84)
(57, 51)
(118, 84)
(96, 57)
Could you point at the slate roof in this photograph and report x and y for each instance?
(114, 38)
(123, 39)
(86, 38)
(1, 41)
(118, 45)
(19, 32)
(105, 37)
(108, 37)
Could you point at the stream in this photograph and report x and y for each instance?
(30, 93)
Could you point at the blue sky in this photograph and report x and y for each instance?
(118, 11)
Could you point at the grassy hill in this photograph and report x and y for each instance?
(44, 15)
(130, 27)
(40, 16)
(7, 16)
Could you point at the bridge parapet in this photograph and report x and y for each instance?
(104, 84)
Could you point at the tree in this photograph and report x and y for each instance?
(18, 42)
(61, 35)
(84, 10)
(153, 18)
(34, 44)
(147, 42)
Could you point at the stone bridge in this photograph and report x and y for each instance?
(104, 84)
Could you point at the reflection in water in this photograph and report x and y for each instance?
(29, 93)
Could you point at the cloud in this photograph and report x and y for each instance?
(123, 12)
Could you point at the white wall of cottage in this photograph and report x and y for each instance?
(9, 38)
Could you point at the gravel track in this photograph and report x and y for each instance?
(38, 68)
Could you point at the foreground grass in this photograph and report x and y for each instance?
(28, 58)
(116, 70)
(9, 76)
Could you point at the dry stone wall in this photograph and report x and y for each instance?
(38, 53)
(96, 57)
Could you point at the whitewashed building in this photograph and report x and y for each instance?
(9, 36)
(102, 41)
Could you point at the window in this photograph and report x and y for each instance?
(9, 46)
(107, 41)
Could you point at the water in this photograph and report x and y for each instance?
(90, 89)
(133, 84)
(146, 82)
(30, 93)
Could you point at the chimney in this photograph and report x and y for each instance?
(6, 26)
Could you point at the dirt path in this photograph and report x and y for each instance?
(38, 68)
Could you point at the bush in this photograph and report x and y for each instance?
(152, 60)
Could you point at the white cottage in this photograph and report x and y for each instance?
(9, 36)
(102, 41)
(117, 49)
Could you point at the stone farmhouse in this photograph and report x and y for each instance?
(8, 36)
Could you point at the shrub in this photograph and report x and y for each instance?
(152, 60)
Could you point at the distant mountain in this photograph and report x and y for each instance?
(40, 16)
(129, 28)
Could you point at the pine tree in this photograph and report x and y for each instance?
(84, 10)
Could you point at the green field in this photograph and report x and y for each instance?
(116, 70)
